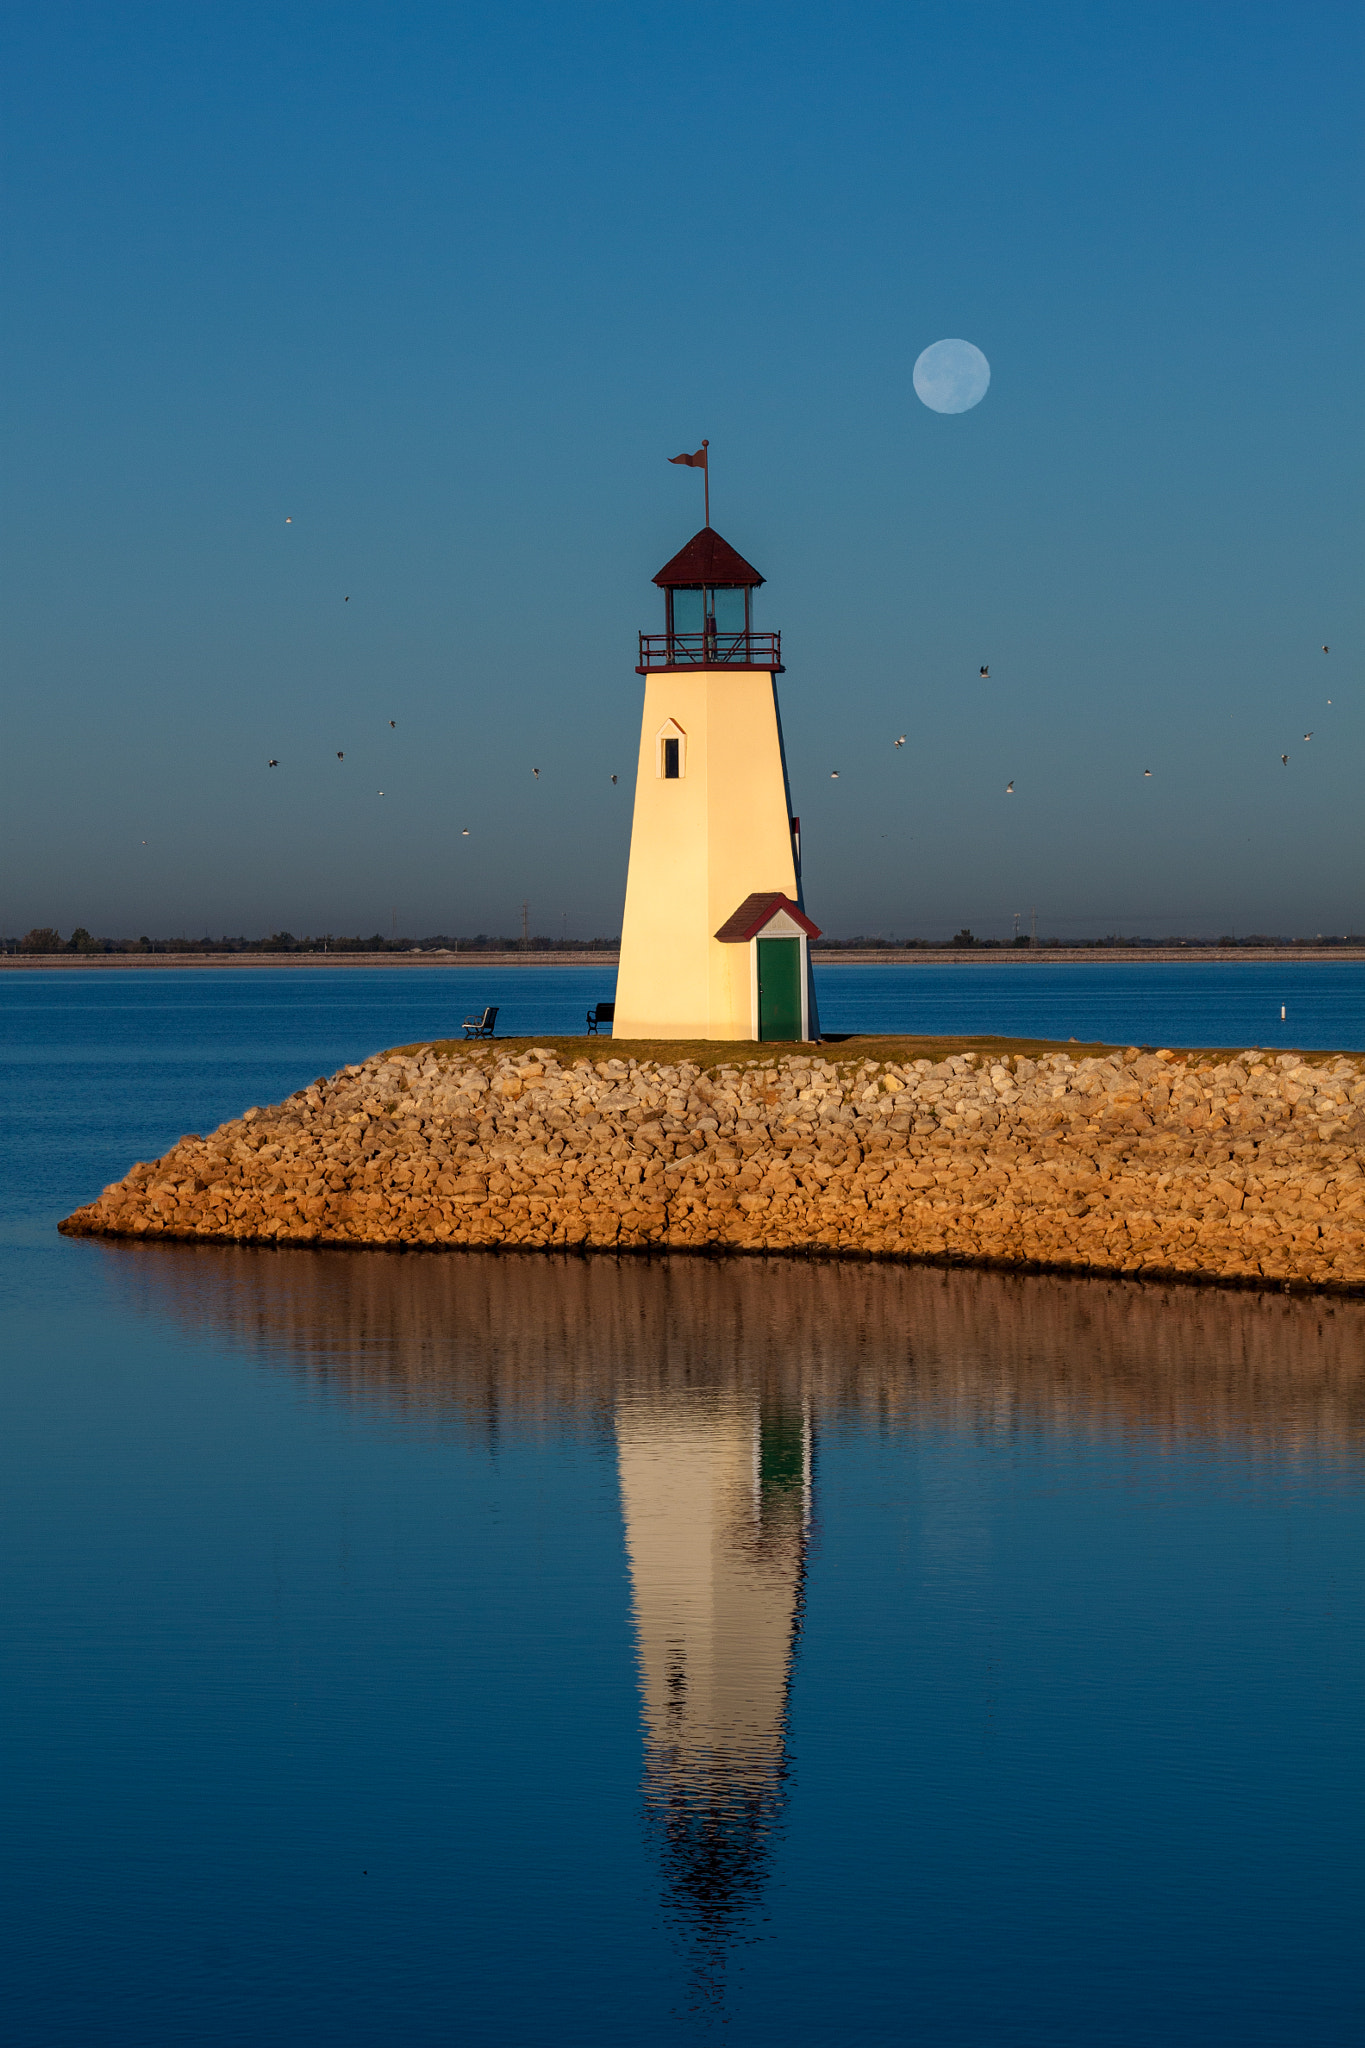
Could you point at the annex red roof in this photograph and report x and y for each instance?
(756, 911)
(707, 559)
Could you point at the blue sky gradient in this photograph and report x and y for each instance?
(445, 286)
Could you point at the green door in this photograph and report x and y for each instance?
(779, 988)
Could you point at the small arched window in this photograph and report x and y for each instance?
(670, 752)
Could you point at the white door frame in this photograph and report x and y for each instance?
(780, 926)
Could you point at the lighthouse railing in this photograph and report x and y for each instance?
(709, 650)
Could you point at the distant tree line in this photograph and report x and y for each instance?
(46, 939)
(965, 939)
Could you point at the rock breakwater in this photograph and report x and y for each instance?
(1244, 1169)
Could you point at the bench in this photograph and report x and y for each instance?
(604, 1013)
(482, 1026)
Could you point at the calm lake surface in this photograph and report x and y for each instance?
(444, 1648)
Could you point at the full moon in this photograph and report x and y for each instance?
(951, 376)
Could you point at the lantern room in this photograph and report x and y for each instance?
(709, 612)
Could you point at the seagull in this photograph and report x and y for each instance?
(393, 725)
(1309, 735)
(272, 764)
(1009, 789)
(341, 757)
(536, 773)
(1285, 759)
(465, 833)
(986, 671)
(289, 522)
(345, 600)
(901, 741)
(1325, 650)
(1146, 771)
(613, 779)
(381, 792)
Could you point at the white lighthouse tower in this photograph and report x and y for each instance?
(714, 942)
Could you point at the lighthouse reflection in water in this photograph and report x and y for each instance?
(716, 1494)
(517, 1584)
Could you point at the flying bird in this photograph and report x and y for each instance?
(272, 764)
(341, 757)
(536, 773)
(393, 724)
(345, 600)
(1285, 759)
(613, 778)
(834, 775)
(1009, 789)
(1309, 735)
(1146, 771)
(465, 833)
(901, 741)
(289, 522)
(986, 671)
(381, 792)
(1325, 650)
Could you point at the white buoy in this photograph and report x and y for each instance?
(1281, 1013)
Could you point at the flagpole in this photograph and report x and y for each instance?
(706, 476)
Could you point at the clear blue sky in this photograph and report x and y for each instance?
(446, 285)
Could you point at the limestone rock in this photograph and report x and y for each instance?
(1249, 1170)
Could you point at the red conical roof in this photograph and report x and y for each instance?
(707, 559)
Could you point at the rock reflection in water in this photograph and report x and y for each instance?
(536, 1342)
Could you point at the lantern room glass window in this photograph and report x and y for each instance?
(729, 610)
(689, 612)
(727, 605)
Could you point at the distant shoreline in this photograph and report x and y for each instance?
(1071, 956)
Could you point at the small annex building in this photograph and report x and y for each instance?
(776, 934)
(714, 937)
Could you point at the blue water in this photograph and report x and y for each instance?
(1208, 1003)
(152, 1053)
(497, 1650)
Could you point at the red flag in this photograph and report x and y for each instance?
(697, 461)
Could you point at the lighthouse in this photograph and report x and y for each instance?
(715, 938)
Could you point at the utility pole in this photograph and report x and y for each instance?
(525, 927)
(1017, 915)
(1033, 930)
